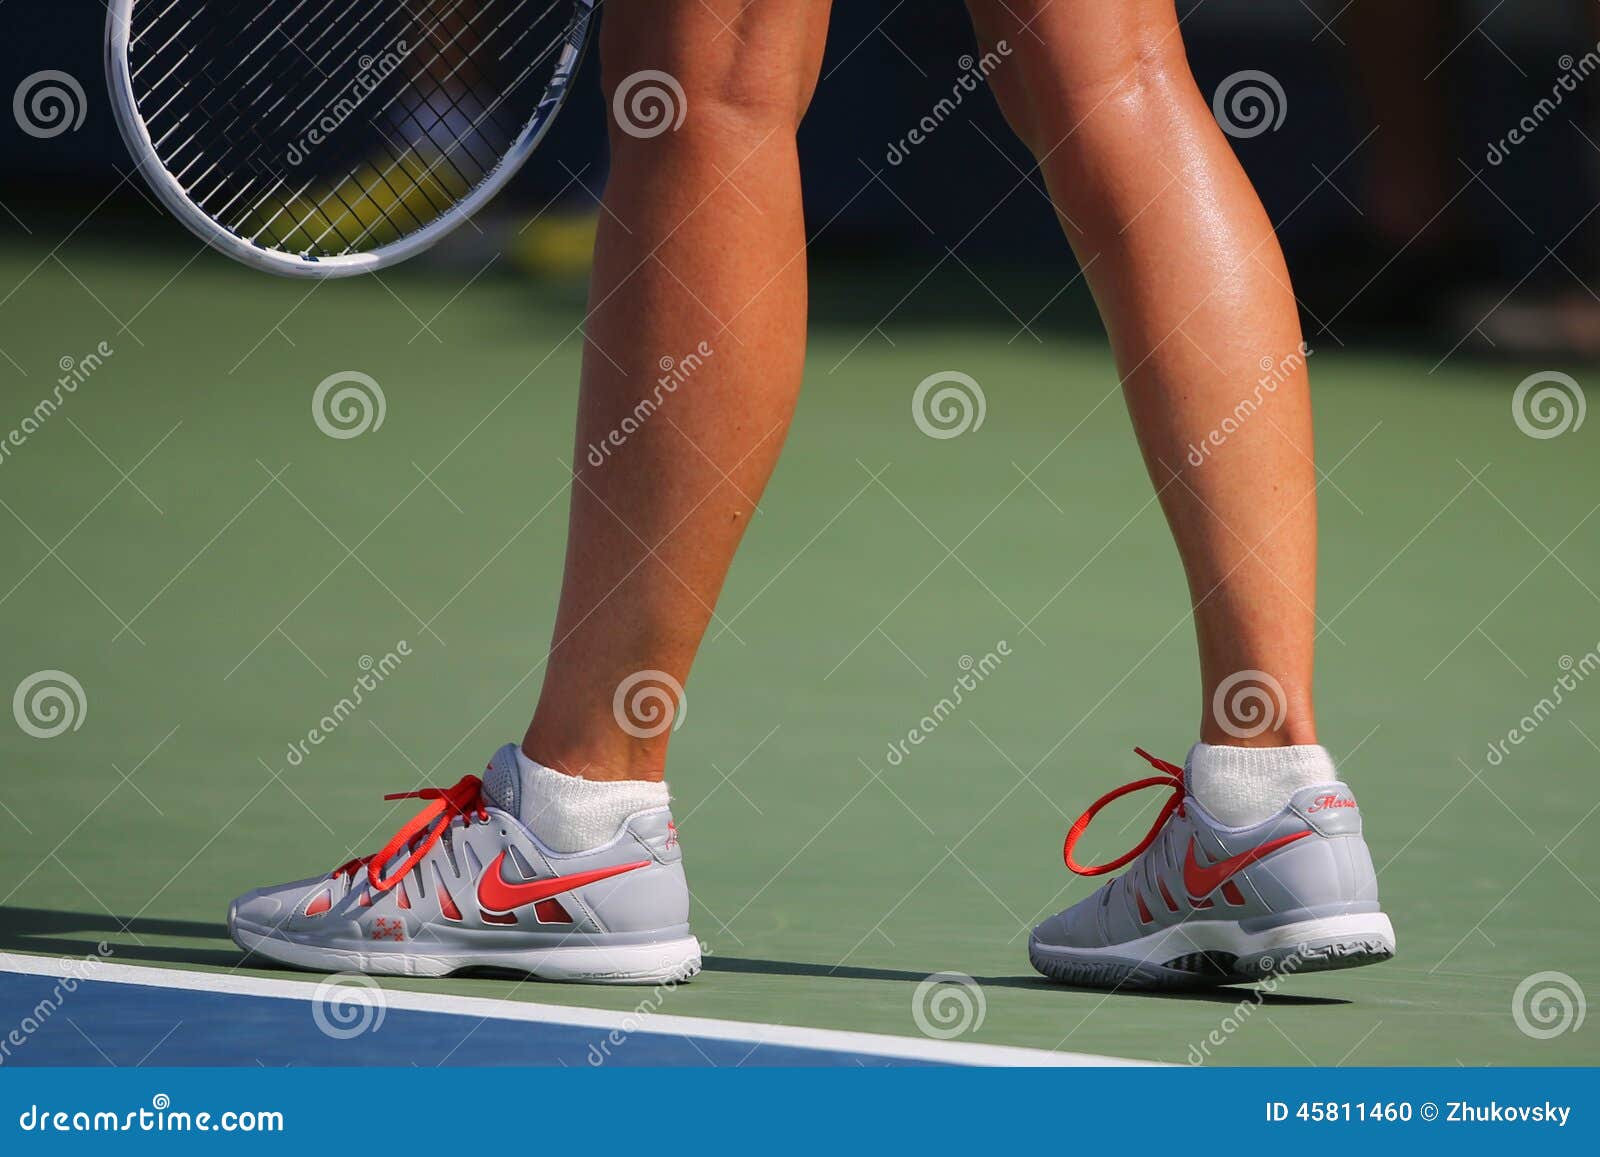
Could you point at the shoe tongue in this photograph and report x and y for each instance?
(502, 780)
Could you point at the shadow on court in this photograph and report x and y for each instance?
(131, 938)
(738, 964)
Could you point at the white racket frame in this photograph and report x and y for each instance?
(119, 79)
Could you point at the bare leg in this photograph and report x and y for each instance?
(1192, 286)
(701, 241)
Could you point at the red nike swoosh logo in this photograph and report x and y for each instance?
(1203, 879)
(497, 894)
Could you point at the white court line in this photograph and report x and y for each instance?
(754, 1033)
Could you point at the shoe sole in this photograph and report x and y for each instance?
(1203, 954)
(668, 961)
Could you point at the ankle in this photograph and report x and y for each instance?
(605, 758)
(1294, 733)
(1252, 708)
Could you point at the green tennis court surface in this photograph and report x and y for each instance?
(215, 572)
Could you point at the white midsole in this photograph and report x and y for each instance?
(666, 960)
(1229, 936)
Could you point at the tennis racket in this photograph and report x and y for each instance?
(323, 138)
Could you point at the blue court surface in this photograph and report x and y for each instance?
(66, 1011)
(164, 1058)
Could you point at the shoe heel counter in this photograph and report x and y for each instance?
(1331, 872)
(657, 897)
(1363, 877)
(658, 834)
(1329, 809)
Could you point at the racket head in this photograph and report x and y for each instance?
(426, 173)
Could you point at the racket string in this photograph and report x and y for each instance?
(462, 140)
(271, 132)
(424, 183)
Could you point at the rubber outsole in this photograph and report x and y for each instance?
(1175, 959)
(665, 962)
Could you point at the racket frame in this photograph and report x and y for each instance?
(119, 80)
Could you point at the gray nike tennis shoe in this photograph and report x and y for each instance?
(466, 885)
(1204, 904)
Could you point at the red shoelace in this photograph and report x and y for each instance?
(1171, 778)
(421, 832)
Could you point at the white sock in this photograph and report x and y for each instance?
(570, 814)
(1242, 786)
